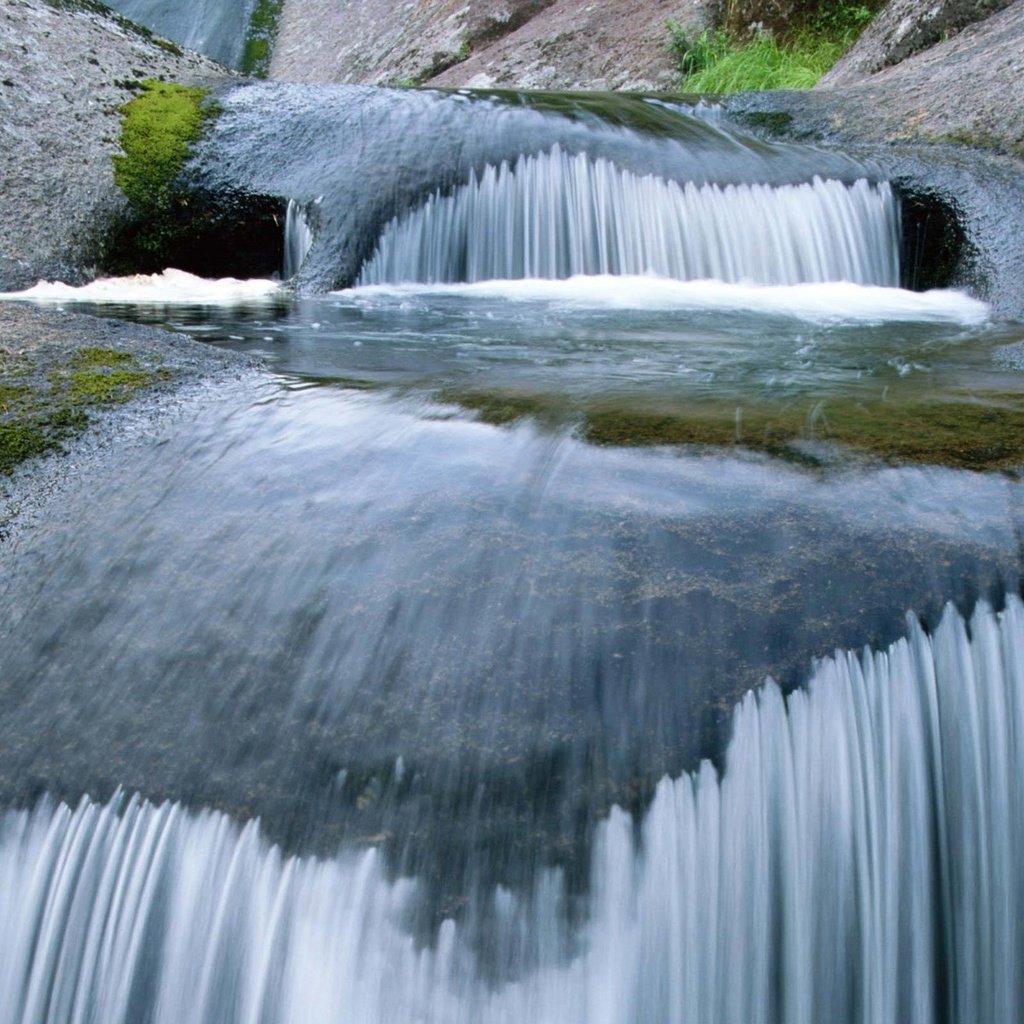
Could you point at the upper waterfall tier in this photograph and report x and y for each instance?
(214, 27)
(483, 176)
(557, 215)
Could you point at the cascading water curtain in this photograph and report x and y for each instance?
(859, 861)
(298, 238)
(555, 215)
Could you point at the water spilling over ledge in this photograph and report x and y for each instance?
(556, 216)
(460, 674)
(369, 156)
(857, 862)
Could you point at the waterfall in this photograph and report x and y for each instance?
(857, 862)
(555, 215)
(298, 237)
(215, 27)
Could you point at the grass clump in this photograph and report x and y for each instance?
(724, 60)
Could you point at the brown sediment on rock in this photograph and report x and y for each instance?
(957, 430)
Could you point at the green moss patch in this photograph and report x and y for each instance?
(89, 358)
(160, 125)
(259, 41)
(20, 441)
(96, 387)
(41, 410)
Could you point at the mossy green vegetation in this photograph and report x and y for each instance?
(958, 431)
(106, 387)
(37, 416)
(159, 127)
(728, 60)
(20, 441)
(259, 40)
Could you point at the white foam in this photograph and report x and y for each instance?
(170, 288)
(825, 302)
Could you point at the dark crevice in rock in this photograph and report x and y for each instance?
(215, 235)
(934, 244)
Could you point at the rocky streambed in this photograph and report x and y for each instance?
(78, 384)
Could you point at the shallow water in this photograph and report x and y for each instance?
(455, 596)
(303, 587)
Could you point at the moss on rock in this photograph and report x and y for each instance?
(160, 125)
(259, 40)
(159, 128)
(39, 411)
(958, 430)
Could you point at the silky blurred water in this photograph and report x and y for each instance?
(383, 692)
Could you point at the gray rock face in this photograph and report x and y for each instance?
(569, 45)
(968, 89)
(385, 41)
(64, 74)
(905, 27)
(544, 44)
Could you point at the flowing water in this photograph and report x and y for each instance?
(421, 676)
(217, 28)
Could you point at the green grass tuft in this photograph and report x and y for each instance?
(718, 61)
